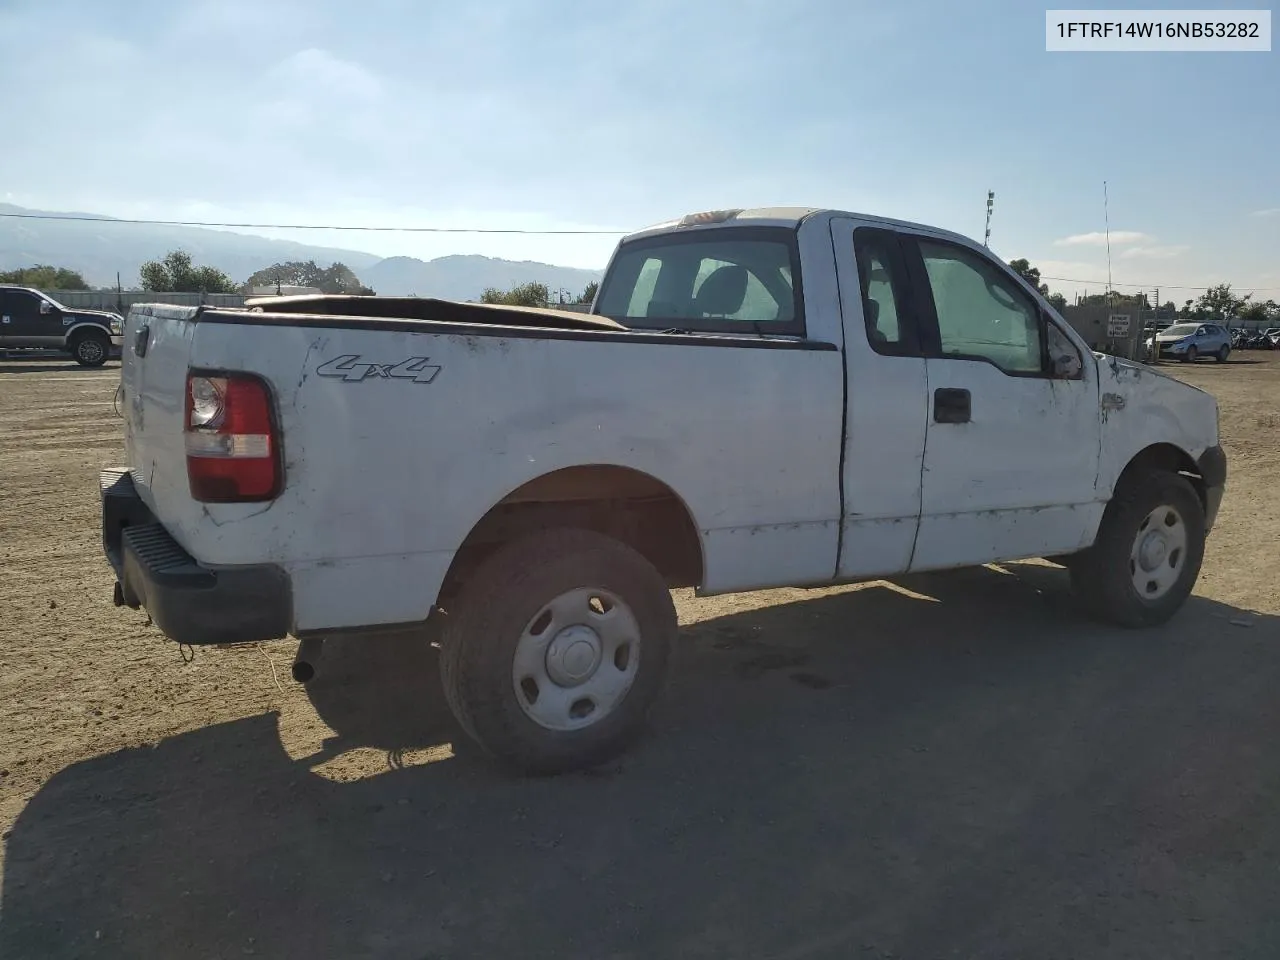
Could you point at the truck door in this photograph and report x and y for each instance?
(886, 412)
(34, 321)
(1011, 455)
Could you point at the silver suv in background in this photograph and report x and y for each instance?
(1191, 341)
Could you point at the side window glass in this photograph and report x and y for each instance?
(23, 304)
(981, 313)
(883, 298)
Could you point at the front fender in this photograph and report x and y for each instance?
(1142, 407)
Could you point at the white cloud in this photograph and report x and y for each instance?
(1269, 212)
(1099, 238)
(1154, 252)
(314, 70)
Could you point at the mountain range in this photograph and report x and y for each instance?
(97, 248)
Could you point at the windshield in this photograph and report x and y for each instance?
(740, 280)
(1180, 330)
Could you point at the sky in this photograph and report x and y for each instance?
(581, 114)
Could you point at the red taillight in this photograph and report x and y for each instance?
(232, 449)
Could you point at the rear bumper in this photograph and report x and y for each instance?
(190, 603)
(1213, 471)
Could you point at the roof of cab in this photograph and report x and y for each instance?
(780, 217)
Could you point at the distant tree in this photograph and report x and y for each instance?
(523, 295)
(45, 277)
(1029, 273)
(176, 274)
(1058, 300)
(1260, 311)
(1220, 303)
(588, 295)
(336, 278)
(1132, 301)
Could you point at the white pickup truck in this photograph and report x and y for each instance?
(758, 398)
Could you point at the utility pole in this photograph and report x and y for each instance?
(991, 202)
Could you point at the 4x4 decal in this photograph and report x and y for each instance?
(353, 369)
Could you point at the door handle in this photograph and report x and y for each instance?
(952, 405)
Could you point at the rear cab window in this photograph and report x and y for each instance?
(723, 279)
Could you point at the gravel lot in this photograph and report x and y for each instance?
(946, 766)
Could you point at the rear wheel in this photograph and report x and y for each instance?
(90, 348)
(554, 649)
(1148, 552)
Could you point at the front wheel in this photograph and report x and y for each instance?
(1191, 355)
(1223, 354)
(90, 349)
(554, 649)
(1148, 552)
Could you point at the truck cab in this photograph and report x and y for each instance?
(32, 319)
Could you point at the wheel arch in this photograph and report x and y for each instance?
(622, 502)
(83, 328)
(1169, 457)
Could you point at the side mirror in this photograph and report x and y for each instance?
(1065, 366)
(45, 307)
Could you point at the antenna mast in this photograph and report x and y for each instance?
(1106, 216)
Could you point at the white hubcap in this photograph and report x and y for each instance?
(576, 659)
(1159, 553)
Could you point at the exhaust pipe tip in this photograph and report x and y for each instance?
(305, 660)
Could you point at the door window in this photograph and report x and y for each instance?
(22, 305)
(884, 301)
(982, 314)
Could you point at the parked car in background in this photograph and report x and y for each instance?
(31, 319)
(1191, 341)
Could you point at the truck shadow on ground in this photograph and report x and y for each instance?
(956, 764)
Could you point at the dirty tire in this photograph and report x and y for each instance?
(495, 606)
(1222, 354)
(1101, 575)
(90, 349)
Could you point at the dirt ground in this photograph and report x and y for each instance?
(949, 766)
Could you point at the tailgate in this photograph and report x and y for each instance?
(153, 377)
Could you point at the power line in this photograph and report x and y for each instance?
(1162, 286)
(306, 226)
(489, 230)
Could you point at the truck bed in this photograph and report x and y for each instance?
(398, 433)
(430, 309)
